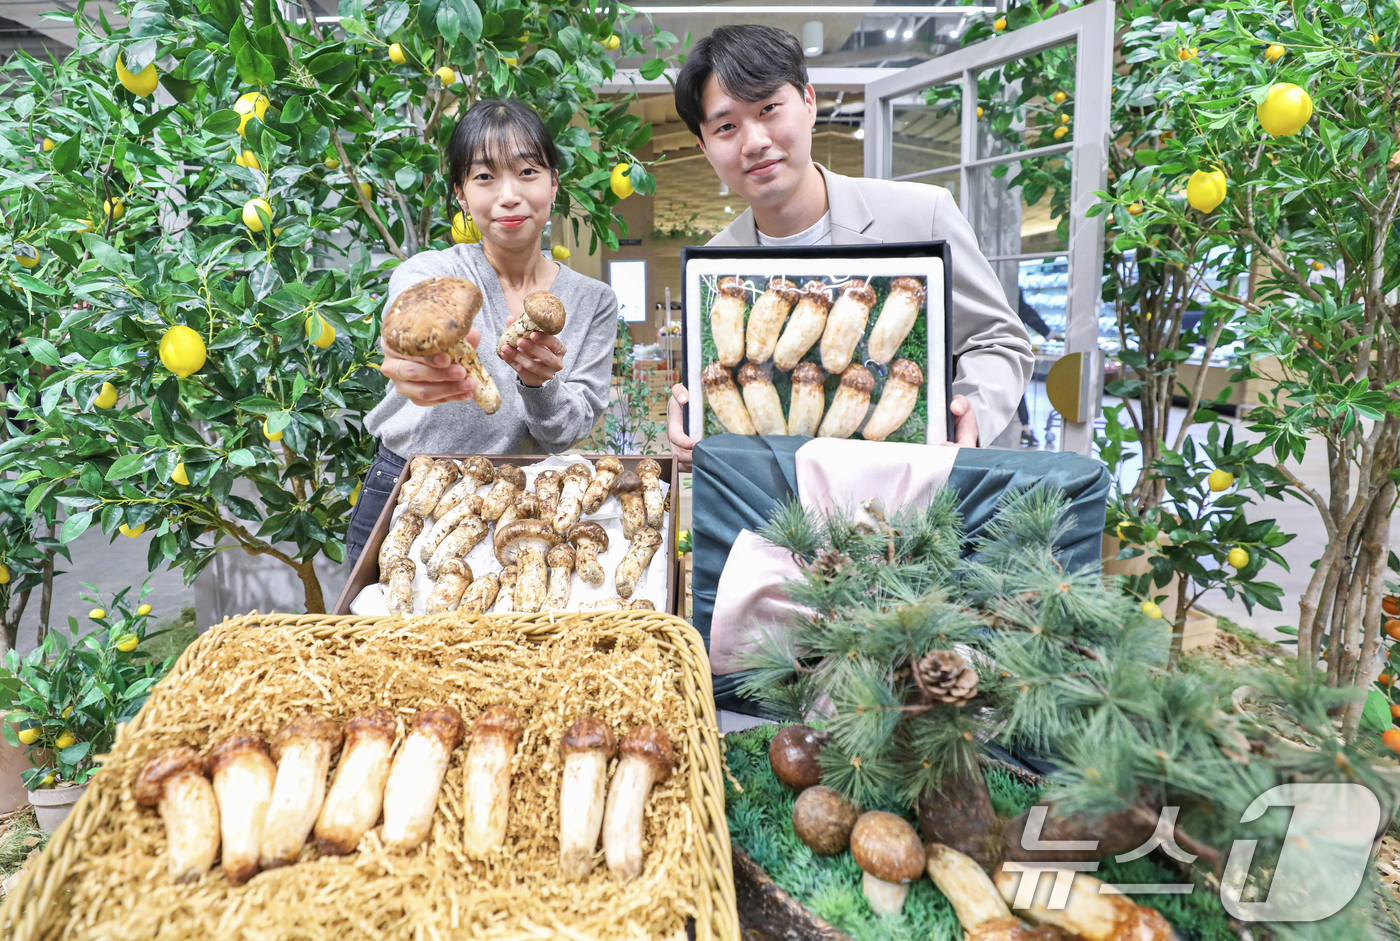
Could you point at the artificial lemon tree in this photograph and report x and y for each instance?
(189, 230)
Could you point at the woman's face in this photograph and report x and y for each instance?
(510, 202)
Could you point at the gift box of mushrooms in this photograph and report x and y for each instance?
(792, 348)
(521, 533)
(329, 777)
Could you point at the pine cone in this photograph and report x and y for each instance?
(944, 676)
(830, 563)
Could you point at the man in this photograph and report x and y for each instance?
(743, 92)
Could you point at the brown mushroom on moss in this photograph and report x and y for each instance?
(822, 819)
(173, 782)
(544, 313)
(525, 545)
(886, 847)
(435, 316)
(793, 756)
(589, 539)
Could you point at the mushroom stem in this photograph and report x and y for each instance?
(477, 471)
(400, 592)
(587, 747)
(356, 796)
(886, 898)
(634, 564)
(486, 781)
(415, 779)
(653, 496)
(1086, 913)
(588, 539)
(727, 320)
(243, 777)
(605, 472)
(458, 543)
(630, 492)
(303, 751)
(967, 887)
(646, 760)
(396, 545)
(174, 781)
(488, 395)
(561, 577)
(571, 493)
(446, 524)
(480, 595)
(505, 593)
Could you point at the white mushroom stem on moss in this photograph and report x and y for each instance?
(486, 781)
(356, 795)
(174, 783)
(647, 759)
(975, 900)
(411, 792)
(243, 776)
(303, 751)
(587, 748)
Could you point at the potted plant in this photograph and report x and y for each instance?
(70, 696)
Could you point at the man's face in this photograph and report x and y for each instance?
(761, 149)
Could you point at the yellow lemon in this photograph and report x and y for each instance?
(248, 159)
(250, 213)
(1375, 38)
(1064, 119)
(48, 779)
(1220, 480)
(1238, 557)
(1135, 209)
(510, 60)
(1206, 189)
(327, 336)
(1118, 530)
(1151, 609)
(67, 712)
(612, 42)
(144, 610)
(114, 208)
(271, 435)
(131, 532)
(26, 255)
(1285, 110)
(1000, 24)
(4, 574)
(368, 190)
(182, 351)
(47, 144)
(355, 494)
(29, 736)
(331, 163)
(87, 225)
(107, 397)
(396, 55)
(1186, 54)
(464, 230)
(560, 253)
(65, 740)
(979, 111)
(179, 475)
(622, 181)
(1060, 97)
(1316, 265)
(97, 614)
(251, 105)
(127, 643)
(1060, 132)
(140, 84)
(1274, 52)
(446, 76)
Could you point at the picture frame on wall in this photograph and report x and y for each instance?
(848, 341)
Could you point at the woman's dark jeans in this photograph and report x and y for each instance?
(374, 493)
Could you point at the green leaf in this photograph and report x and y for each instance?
(1375, 715)
(653, 69)
(74, 526)
(126, 466)
(44, 351)
(242, 457)
(66, 154)
(254, 67)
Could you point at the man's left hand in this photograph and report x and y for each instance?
(538, 357)
(964, 423)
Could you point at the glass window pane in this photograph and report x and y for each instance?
(950, 180)
(926, 130)
(1026, 103)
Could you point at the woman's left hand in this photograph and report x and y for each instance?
(538, 357)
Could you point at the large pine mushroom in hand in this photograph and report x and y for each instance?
(588, 540)
(544, 313)
(727, 308)
(356, 796)
(886, 847)
(647, 759)
(243, 776)
(174, 783)
(525, 544)
(415, 779)
(634, 564)
(486, 781)
(587, 748)
(303, 752)
(435, 316)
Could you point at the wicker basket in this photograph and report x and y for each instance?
(44, 904)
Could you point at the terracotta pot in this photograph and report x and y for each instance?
(53, 804)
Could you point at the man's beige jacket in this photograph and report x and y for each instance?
(991, 349)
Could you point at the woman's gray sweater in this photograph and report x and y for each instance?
(529, 421)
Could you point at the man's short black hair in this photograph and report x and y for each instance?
(750, 62)
(499, 133)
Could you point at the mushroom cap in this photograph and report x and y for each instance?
(546, 310)
(442, 722)
(640, 604)
(649, 468)
(527, 506)
(817, 292)
(402, 564)
(579, 470)
(519, 533)
(547, 480)
(480, 467)
(171, 763)
(305, 728)
(750, 374)
(858, 290)
(498, 722)
(474, 503)
(731, 286)
(809, 374)
(793, 755)
(511, 474)
(858, 378)
(906, 371)
(457, 568)
(449, 466)
(588, 734)
(646, 536)
(785, 288)
(610, 464)
(909, 286)
(561, 557)
(823, 819)
(232, 747)
(431, 316)
(646, 741)
(716, 377)
(628, 482)
(420, 464)
(373, 723)
(886, 846)
(588, 531)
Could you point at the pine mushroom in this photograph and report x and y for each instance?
(587, 748)
(454, 578)
(459, 542)
(1086, 913)
(544, 313)
(243, 777)
(805, 326)
(647, 759)
(446, 523)
(761, 400)
(850, 404)
(399, 540)
(653, 496)
(723, 396)
(589, 539)
(792, 754)
(510, 480)
(418, 469)
(435, 316)
(561, 576)
(525, 506)
(897, 401)
(886, 847)
(477, 472)
(480, 595)
(634, 564)
(415, 778)
(897, 317)
(845, 325)
(766, 319)
(303, 750)
(400, 591)
(525, 544)
(822, 820)
(486, 781)
(727, 308)
(576, 482)
(808, 400)
(631, 493)
(548, 485)
(444, 473)
(173, 782)
(356, 795)
(980, 909)
(605, 472)
(505, 592)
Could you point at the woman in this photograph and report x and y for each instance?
(504, 173)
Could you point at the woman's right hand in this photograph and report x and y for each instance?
(430, 380)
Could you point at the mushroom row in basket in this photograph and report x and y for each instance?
(262, 807)
(540, 537)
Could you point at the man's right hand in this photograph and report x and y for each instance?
(430, 380)
(681, 443)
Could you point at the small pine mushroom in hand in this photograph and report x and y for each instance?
(544, 313)
(587, 748)
(174, 783)
(647, 759)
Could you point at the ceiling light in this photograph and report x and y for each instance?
(860, 133)
(889, 33)
(908, 34)
(812, 38)
(729, 210)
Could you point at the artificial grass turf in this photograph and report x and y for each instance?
(759, 810)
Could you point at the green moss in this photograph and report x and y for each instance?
(759, 811)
